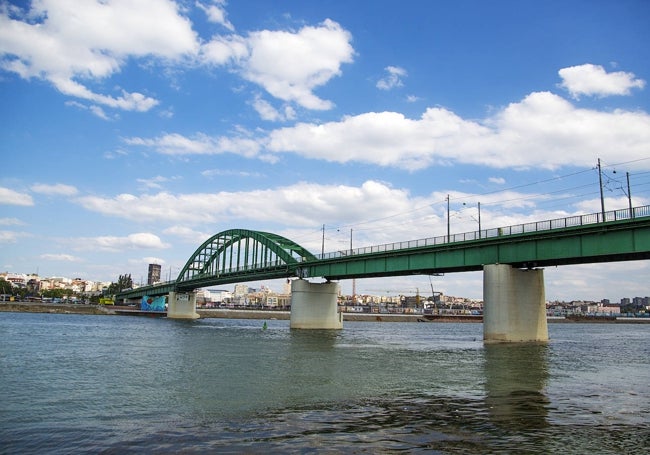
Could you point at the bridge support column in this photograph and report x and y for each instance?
(182, 305)
(315, 306)
(514, 307)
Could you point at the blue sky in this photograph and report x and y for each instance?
(133, 130)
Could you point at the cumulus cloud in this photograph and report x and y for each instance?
(216, 13)
(302, 203)
(60, 257)
(202, 144)
(66, 42)
(378, 212)
(394, 212)
(140, 240)
(156, 182)
(10, 222)
(152, 260)
(11, 236)
(187, 234)
(288, 65)
(270, 113)
(58, 189)
(542, 130)
(593, 80)
(12, 197)
(97, 111)
(392, 79)
(74, 45)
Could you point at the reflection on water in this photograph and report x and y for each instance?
(97, 384)
(515, 380)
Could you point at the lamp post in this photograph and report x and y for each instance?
(478, 204)
(350, 241)
(602, 199)
(629, 195)
(448, 232)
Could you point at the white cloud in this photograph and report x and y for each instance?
(66, 41)
(115, 154)
(497, 180)
(153, 260)
(392, 79)
(59, 189)
(593, 80)
(11, 236)
(11, 197)
(394, 213)
(302, 203)
(216, 13)
(226, 172)
(156, 182)
(222, 50)
(542, 130)
(266, 110)
(140, 240)
(187, 234)
(97, 111)
(10, 222)
(270, 113)
(74, 45)
(288, 65)
(200, 144)
(60, 257)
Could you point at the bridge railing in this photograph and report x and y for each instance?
(537, 226)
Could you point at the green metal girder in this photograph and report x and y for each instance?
(212, 249)
(619, 240)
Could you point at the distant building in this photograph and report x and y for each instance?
(240, 290)
(153, 276)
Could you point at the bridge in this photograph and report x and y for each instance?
(511, 258)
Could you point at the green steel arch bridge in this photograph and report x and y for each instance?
(240, 255)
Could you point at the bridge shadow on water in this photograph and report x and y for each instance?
(515, 380)
(370, 390)
(513, 412)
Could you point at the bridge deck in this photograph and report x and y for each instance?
(620, 235)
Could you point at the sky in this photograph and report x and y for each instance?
(133, 130)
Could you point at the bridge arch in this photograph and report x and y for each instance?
(237, 251)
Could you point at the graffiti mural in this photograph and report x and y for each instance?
(153, 303)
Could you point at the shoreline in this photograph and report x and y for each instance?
(66, 308)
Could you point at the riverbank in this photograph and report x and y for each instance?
(58, 308)
(367, 317)
(63, 308)
(223, 313)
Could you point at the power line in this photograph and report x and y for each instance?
(499, 202)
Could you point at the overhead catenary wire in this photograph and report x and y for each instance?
(539, 197)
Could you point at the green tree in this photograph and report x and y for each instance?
(123, 282)
(55, 293)
(5, 287)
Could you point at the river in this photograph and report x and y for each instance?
(118, 384)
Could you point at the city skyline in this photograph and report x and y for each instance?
(134, 131)
(285, 289)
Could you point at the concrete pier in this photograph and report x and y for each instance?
(182, 305)
(514, 305)
(314, 305)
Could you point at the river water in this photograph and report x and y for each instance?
(119, 384)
